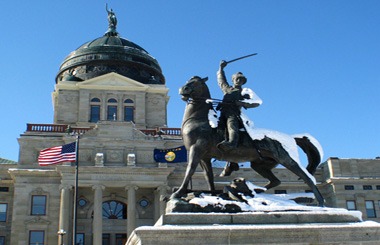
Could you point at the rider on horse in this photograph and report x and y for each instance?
(230, 111)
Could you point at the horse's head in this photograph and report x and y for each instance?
(195, 88)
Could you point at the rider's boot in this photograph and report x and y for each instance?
(233, 136)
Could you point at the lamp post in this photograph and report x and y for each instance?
(61, 233)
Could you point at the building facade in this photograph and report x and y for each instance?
(112, 95)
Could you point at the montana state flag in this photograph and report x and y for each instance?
(174, 155)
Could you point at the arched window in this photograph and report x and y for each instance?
(95, 110)
(114, 210)
(95, 100)
(112, 109)
(129, 110)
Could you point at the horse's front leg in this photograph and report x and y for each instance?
(194, 160)
(207, 169)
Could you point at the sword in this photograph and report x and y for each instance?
(243, 57)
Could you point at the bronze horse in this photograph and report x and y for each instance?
(201, 141)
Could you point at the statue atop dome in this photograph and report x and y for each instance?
(112, 22)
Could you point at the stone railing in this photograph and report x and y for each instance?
(162, 131)
(55, 128)
(62, 128)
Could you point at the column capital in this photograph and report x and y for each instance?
(130, 187)
(65, 187)
(98, 186)
(163, 189)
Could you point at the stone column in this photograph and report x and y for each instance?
(103, 108)
(97, 223)
(120, 108)
(131, 211)
(360, 203)
(159, 204)
(140, 111)
(163, 192)
(64, 213)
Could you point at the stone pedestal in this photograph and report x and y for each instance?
(290, 227)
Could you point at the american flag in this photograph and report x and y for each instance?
(57, 154)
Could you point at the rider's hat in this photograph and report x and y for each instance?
(239, 75)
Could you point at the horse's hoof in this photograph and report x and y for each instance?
(174, 196)
(177, 195)
(229, 169)
(226, 172)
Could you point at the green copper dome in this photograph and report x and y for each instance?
(110, 53)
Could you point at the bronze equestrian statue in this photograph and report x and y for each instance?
(201, 140)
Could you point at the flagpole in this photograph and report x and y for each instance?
(76, 189)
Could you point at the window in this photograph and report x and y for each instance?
(36, 237)
(95, 100)
(349, 187)
(95, 110)
(2, 240)
(112, 113)
(38, 205)
(4, 189)
(370, 209)
(128, 114)
(129, 110)
(106, 239)
(351, 205)
(80, 239)
(121, 239)
(112, 110)
(367, 187)
(114, 210)
(378, 187)
(95, 113)
(3, 212)
(82, 202)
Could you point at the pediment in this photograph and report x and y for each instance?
(112, 81)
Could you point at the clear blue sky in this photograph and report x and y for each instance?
(317, 68)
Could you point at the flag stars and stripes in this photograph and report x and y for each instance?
(57, 154)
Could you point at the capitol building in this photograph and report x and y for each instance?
(111, 95)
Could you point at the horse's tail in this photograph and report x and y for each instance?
(312, 149)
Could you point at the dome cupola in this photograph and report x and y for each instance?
(110, 53)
